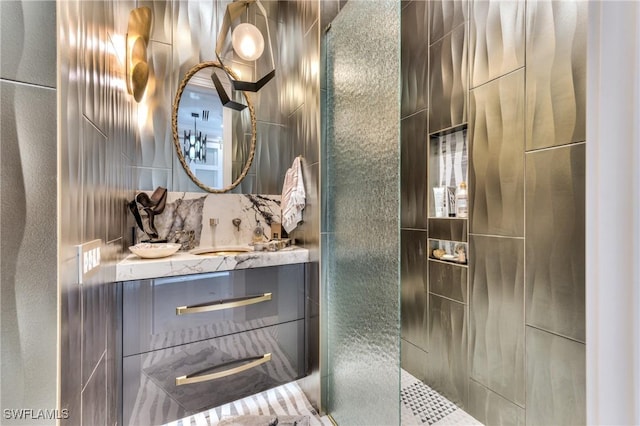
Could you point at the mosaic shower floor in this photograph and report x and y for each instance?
(422, 405)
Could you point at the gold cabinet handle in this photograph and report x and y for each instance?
(223, 304)
(197, 378)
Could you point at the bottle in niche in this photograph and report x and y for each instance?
(462, 202)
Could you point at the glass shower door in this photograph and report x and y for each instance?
(360, 242)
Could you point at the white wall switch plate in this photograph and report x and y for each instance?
(88, 260)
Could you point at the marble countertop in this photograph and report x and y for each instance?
(182, 263)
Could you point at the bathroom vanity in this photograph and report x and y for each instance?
(201, 331)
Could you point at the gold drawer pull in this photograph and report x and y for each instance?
(223, 304)
(196, 378)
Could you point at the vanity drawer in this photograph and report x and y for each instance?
(271, 356)
(165, 312)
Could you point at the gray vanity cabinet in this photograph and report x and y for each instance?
(198, 341)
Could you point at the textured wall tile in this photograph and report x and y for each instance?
(448, 229)
(94, 407)
(70, 150)
(448, 280)
(310, 75)
(555, 235)
(496, 39)
(28, 46)
(292, 50)
(448, 80)
(147, 179)
(273, 154)
(94, 327)
(413, 291)
(70, 384)
(28, 249)
(93, 79)
(447, 366)
(444, 16)
(246, 186)
(492, 409)
(120, 15)
(556, 72)
(195, 30)
(271, 94)
(413, 171)
(162, 15)
(414, 57)
(496, 315)
(120, 134)
(414, 360)
(365, 157)
(496, 171)
(556, 380)
(156, 147)
(307, 11)
(94, 190)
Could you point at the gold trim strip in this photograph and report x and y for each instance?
(220, 305)
(184, 380)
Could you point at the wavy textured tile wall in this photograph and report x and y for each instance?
(555, 235)
(413, 171)
(448, 80)
(447, 369)
(445, 15)
(28, 249)
(556, 72)
(496, 169)
(496, 39)
(492, 409)
(496, 315)
(556, 370)
(413, 292)
(414, 57)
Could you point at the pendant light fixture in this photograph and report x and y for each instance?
(247, 41)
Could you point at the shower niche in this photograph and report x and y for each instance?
(448, 159)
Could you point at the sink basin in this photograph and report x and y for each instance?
(221, 251)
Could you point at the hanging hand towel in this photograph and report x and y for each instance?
(293, 196)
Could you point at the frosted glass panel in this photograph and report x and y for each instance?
(361, 251)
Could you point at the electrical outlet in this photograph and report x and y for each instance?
(88, 260)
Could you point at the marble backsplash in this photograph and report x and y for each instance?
(188, 214)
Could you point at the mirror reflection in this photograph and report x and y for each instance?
(214, 144)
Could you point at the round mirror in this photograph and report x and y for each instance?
(215, 143)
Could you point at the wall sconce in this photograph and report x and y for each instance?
(247, 42)
(138, 31)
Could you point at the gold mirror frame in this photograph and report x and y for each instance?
(176, 137)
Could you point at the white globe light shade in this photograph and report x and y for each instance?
(247, 41)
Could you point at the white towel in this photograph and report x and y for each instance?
(293, 196)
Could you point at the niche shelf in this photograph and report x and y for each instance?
(454, 252)
(448, 160)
